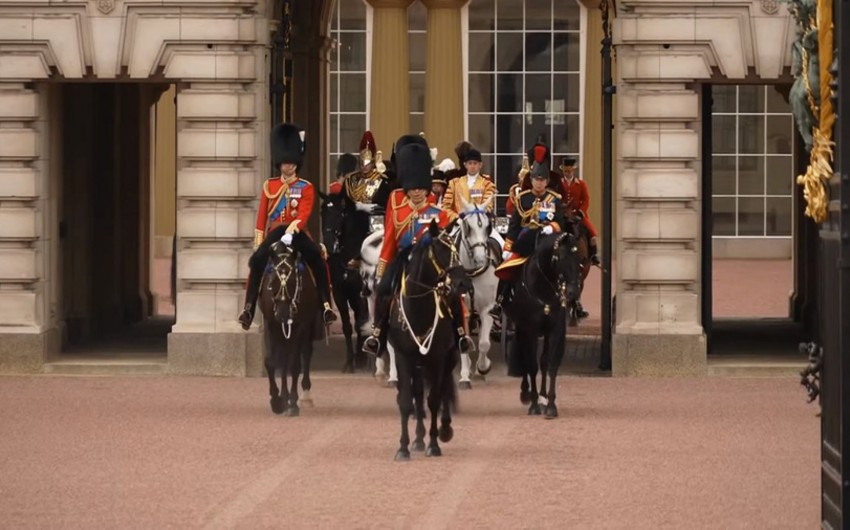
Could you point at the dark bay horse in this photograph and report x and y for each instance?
(582, 235)
(420, 331)
(544, 287)
(290, 307)
(342, 235)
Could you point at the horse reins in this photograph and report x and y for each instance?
(470, 249)
(283, 269)
(439, 292)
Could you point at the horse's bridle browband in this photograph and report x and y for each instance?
(470, 249)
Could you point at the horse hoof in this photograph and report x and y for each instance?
(277, 405)
(392, 383)
(485, 371)
(465, 385)
(551, 412)
(446, 433)
(418, 445)
(348, 369)
(525, 397)
(542, 401)
(403, 455)
(433, 450)
(307, 403)
(293, 412)
(534, 410)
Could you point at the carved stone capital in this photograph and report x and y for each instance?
(390, 4)
(444, 4)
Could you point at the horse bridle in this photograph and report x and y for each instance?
(284, 268)
(560, 285)
(470, 249)
(440, 292)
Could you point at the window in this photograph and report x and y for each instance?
(523, 82)
(417, 22)
(752, 162)
(348, 79)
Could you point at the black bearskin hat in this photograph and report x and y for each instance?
(346, 164)
(399, 144)
(414, 167)
(287, 145)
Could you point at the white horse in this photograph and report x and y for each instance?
(478, 260)
(370, 252)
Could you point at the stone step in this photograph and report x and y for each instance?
(756, 368)
(107, 367)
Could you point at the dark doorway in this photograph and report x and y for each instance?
(104, 222)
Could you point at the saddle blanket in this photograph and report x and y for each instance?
(510, 267)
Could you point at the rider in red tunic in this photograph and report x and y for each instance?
(577, 200)
(409, 214)
(285, 206)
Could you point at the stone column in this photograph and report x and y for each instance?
(24, 248)
(590, 164)
(444, 76)
(390, 84)
(658, 322)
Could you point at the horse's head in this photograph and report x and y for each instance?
(434, 261)
(333, 218)
(283, 261)
(476, 225)
(566, 263)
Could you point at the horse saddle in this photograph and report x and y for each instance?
(509, 268)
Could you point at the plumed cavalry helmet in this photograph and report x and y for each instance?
(441, 171)
(413, 163)
(288, 145)
(346, 164)
(539, 154)
(368, 149)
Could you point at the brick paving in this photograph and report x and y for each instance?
(157, 452)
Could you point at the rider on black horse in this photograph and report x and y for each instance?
(538, 211)
(409, 214)
(285, 206)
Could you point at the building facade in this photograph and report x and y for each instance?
(497, 72)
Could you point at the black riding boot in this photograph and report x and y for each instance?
(594, 259)
(501, 293)
(372, 344)
(255, 277)
(312, 255)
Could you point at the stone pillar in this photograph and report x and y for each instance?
(389, 115)
(444, 76)
(590, 163)
(26, 242)
(658, 321)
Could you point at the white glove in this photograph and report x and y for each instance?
(548, 229)
(506, 254)
(365, 207)
(286, 239)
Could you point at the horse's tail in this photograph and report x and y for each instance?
(450, 396)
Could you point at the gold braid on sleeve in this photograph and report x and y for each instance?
(820, 161)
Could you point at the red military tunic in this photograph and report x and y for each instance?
(335, 187)
(404, 224)
(281, 203)
(577, 197)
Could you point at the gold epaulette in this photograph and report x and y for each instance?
(554, 193)
(268, 193)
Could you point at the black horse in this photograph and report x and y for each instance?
(290, 307)
(546, 285)
(421, 333)
(343, 235)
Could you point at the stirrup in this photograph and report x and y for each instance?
(371, 345)
(496, 312)
(465, 344)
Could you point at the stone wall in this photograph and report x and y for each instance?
(664, 51)
(216, 55)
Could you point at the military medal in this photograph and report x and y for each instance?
(550, 216)
(294, 202)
